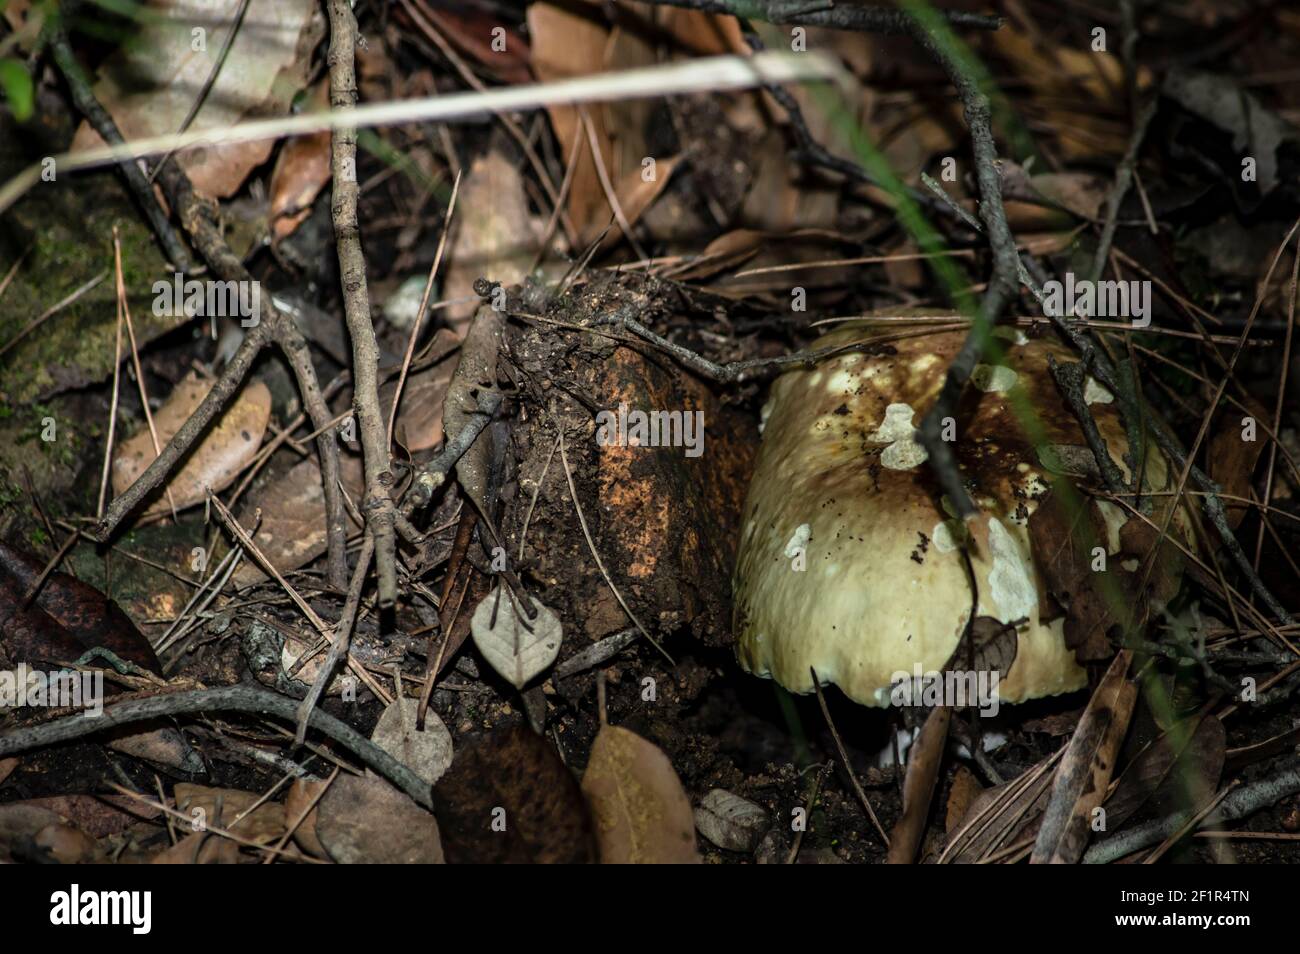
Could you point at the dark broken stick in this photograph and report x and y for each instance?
(251, 699)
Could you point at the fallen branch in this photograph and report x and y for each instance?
(377, 505)
(1246, 800)
(251, 699)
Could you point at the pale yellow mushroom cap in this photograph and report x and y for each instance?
(841, 489)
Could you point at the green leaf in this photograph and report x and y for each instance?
(17, 86)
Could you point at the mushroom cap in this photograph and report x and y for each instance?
(883, 587)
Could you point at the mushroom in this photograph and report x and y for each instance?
(849, 563)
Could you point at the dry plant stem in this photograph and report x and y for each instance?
(1070, 380)
(419, 315)
(433, 474)
(848, 766)
(342, 639)
(378, 504)
(827, 14)
(298, 355)
(98, 117)
(251, 699)
(1123, 178)
(1002, 284)
(1245, 800)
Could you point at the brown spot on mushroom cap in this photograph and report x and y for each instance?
(864, 608)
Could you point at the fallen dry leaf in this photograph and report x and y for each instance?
(67, 617)
(1084, 774)
(427, 751)
(221, 808)
(641, 812)
(148, 86)
(292, 531)
(366, 821)
(301, 794)
(510, 798)
(494, 235)
(517, 647)
(731, 822)
(230, 443)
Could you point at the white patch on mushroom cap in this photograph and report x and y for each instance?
(993, 377)
(903, 452)
(942, 538)
(1010, 583)
(1094, 393)
(896, 425)
(904, 455)
(798, 541)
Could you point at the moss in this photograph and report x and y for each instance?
(67, 237)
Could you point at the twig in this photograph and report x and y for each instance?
(251, 699)
(103, 123)
(1123, 178)
(1246, 800)
(424, 304)
(342, 638)
(828, 14)
(844, 758)
(377, 503)
(433, 474)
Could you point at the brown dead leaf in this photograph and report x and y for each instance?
(221, 808)
(1231, 458)
(365, 820)
(67, 617)
(965, 789)
(292, 531)
(511, 799)
(641, 812)
(230, 443)
(419, 420)
(493, 237)
(301, 794)
(301, 170)
(1084, 774)
(1062, 543)
(148, 86)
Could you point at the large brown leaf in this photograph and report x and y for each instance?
(513, 780)
(642, 813)
(230, 443)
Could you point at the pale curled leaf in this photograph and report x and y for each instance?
(517, 647)
(427, 751)
(642, 813)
